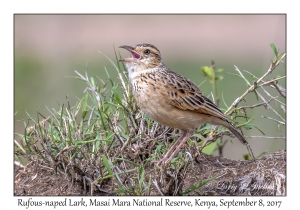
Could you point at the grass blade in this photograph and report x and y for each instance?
(197, 186)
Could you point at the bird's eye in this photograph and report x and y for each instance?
(147, 52)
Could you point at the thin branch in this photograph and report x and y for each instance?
(155, 184)
(254, 86)
(272, 67)
(282, 123)
(275, 98)
(250, 107)
(281, 89)
(250, 90)
(267, 137)
(271, 82)
(283, 108)
(272, 108)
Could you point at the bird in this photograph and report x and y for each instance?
(171, 99)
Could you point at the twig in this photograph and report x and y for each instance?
(282, 123)
(267, 137)
(279, 88)
(124, 146)
(250, 107)
(275, 98)
(271, 82)
(221, 147)
(283, 108)
(164, 132)
(19, 164)
(254, 86)
(272, 67)
(272, 107)
(262, 98)
(155, 184)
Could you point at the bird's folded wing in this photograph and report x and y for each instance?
(183, 94)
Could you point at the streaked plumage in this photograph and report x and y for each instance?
(169, 98)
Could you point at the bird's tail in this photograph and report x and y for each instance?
(237, 134)
(241, 138)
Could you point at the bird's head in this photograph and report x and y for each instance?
(143, 56)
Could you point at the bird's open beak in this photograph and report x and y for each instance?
(134, 55)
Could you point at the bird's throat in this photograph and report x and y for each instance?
(135, 70)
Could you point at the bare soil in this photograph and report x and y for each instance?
(266, 176)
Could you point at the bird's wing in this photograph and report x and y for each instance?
(184, 94)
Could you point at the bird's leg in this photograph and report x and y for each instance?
(183, 141)
(175, 147)
(182, 135)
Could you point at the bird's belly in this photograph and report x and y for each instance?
(157, 108)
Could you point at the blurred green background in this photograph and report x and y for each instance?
(48, 48)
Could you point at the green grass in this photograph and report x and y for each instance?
(105, 138)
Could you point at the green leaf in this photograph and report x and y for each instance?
(205, 129)
(116, 95)
(197, 186)
(61, 125)
(132, 120)
(158, 149)
(148, 187)
(219, 78)
(253, 80)
(209, 149)
(245, 123)
(253, 126)
(118, 70)
(84, 103)
(224, 101)
(255, 92)
(107, 165)
(274, 50)
(242, 76)
(117, 57)
(209, 73)
(128, 161)
(141, 177)
(92, 81)
(199, 136)
(122, 134)
(247, 157)
(261, 154)
(30, 117)
(234, 74)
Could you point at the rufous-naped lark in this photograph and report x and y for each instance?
(171, 99)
